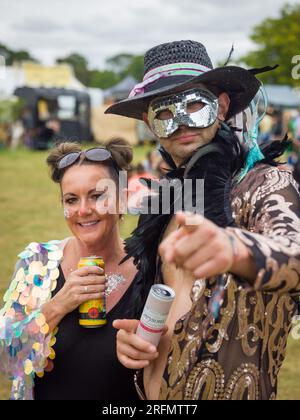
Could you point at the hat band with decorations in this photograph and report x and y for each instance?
(176, 69)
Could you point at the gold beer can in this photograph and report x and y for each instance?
(92, 314)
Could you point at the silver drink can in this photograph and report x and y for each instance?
(155, 313)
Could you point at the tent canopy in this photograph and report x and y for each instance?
(122, 89)
(282, 96)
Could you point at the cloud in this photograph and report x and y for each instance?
(40, 25)
(99, 30)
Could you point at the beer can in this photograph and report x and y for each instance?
(92, 314)
(155, 313)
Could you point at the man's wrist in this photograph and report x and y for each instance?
(243, 264)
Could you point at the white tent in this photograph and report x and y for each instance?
(11, 78)
(36, 75)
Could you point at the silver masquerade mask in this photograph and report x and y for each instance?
(197, 108)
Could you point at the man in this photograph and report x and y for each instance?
(236, 271)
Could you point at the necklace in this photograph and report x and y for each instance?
(114, 281)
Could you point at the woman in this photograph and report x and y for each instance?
(39, 322)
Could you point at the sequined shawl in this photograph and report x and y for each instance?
(25, 342)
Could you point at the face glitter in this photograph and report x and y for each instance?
(113, 283)
(196, 108)
(66, 213)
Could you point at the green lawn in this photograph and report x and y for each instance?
(30, 211)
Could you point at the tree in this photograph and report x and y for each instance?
(119, 63)
(125, 64)
(10, 110)
(103, 79)
(12, 56)
(278, 42)
(80, 66)
(118, 67)
(136, 67)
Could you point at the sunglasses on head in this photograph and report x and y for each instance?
(96, 154)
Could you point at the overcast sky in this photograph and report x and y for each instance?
(99, 29)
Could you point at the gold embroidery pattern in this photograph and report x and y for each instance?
(277, 342)
(220, 329)
(205, 382)
(249, 332)
(243, 383)
(275, 180)
(184, 348)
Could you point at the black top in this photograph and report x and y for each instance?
(86, 366)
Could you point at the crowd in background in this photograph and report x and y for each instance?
(273, 126)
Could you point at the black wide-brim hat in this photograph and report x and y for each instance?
(240, 84)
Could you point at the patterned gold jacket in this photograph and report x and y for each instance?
(245, 348)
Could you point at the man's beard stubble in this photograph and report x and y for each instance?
(181, 152)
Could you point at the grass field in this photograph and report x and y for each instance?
(30, 211)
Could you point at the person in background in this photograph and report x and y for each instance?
(138, 188)
(147, 163)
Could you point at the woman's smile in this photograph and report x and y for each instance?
(86, 225)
